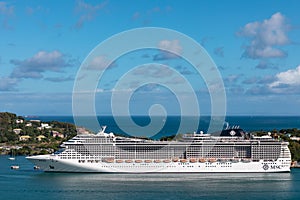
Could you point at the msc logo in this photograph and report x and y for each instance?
(266, 167)
(275, 167)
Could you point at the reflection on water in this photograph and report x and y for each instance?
(27, 183)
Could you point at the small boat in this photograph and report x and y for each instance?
(148, 161)
(36, 167)
(211, 160)
(157, 161)
(138, 161)
(202, 160)
(166, 161)
(193, 160)
(128, 161)
(14, 167)
(183, 160)
(12, 157)
(119, 161)
(175, 159)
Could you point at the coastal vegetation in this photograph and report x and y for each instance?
(30, 137)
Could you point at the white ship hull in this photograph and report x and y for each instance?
(51, 163)
(232, 151)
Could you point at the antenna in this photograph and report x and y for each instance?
(103, 129)
(227, 125)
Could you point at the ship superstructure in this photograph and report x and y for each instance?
(231, 150)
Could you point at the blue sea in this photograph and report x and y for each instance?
(27, 183)
(171, 123)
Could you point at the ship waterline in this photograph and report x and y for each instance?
(232, 150)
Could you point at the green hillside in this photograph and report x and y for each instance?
(32, 136)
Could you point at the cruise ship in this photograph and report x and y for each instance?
(230, 150)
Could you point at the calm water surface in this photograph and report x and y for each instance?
(248, 123)
(27, 183)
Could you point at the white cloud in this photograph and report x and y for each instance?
(282, 83)
(265, 37)
(136, 15)
(8, 84)
(87, 12)
(154, 71)
(100, 63)
(145, 16)
(264, 64)
(170, 45)
(37, 9)
(233, 78)
(176, 80)
(170, 49)
(219, 51)
(26, 103)
(41, 62)
(290, 78)
(59, 79)
(6, 11)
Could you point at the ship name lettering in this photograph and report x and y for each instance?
(275, 167)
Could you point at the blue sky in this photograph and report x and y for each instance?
(255, 45)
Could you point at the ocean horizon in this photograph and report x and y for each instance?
(171, 123)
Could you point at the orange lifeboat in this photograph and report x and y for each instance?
(202, 160)
(166, 161)
(157, 161)
(148, 161)
(212, 160)
(138, 161)
(108, 160)
(193, 160)
(183, 160)
(175, 159)
(128, 161)
(119, 161)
